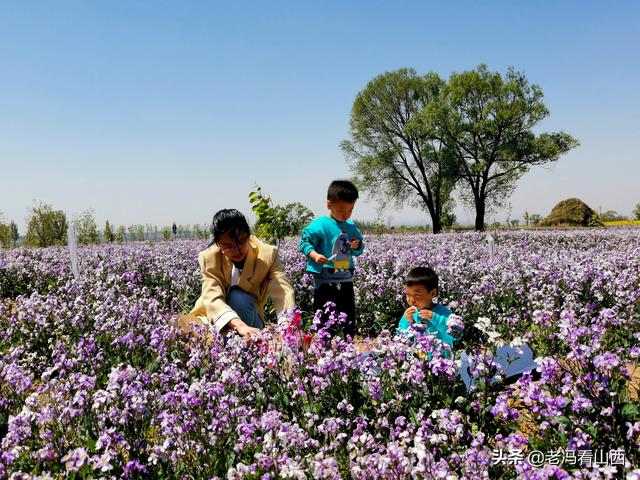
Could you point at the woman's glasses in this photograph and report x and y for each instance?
(237, 246)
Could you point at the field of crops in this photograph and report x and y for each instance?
(95, 383)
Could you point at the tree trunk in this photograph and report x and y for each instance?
(480, 211)
(437, 225)
(435, 218)
(432, 209)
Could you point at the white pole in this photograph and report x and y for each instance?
(491, 243)
(73, 251)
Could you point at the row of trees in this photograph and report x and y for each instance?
(611, 215)
(153, 232)
(417, 139)
(607, 216)
(48, 227)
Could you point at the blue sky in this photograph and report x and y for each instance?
(154, 112)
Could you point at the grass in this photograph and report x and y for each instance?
(615, 223)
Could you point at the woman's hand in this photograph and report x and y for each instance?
(244, 330)
(408, 314)
(355, 243)
(425, 313)
(318, 258)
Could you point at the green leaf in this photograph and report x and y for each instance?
(91, 444)
(152, 366)
(630, 411)
(562, 419)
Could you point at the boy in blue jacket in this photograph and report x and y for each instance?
(330, 243)
(423, 314)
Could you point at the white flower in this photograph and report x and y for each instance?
(483, 324)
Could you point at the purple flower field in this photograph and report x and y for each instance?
(95, 383)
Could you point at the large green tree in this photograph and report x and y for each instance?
(85, 227)
(46, 226)
(487, 121)
(390, 159)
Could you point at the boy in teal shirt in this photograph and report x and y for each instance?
(423, 314)
(330, 243)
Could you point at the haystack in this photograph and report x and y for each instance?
(572, 212)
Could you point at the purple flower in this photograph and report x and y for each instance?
(133, 466)
(75, 459)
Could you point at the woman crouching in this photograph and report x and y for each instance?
(239, 274)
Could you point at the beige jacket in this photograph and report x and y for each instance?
(262, 277)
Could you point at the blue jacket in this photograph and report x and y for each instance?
(321, 235)
(436, 326)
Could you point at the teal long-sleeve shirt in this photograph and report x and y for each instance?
(437, 325)
(321, 234)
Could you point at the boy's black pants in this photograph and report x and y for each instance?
(342, 295)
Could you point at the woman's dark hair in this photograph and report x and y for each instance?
(342, 190)
(422, 276)
(229, 221)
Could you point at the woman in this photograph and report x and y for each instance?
(239, 273)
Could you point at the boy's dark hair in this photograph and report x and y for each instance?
(425, 276)
(229, 221)
(342, 190)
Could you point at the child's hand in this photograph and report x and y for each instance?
(408, 314)
(355, 243)
(318, 258)
(424, 313)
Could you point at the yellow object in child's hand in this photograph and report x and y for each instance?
(341, 264)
